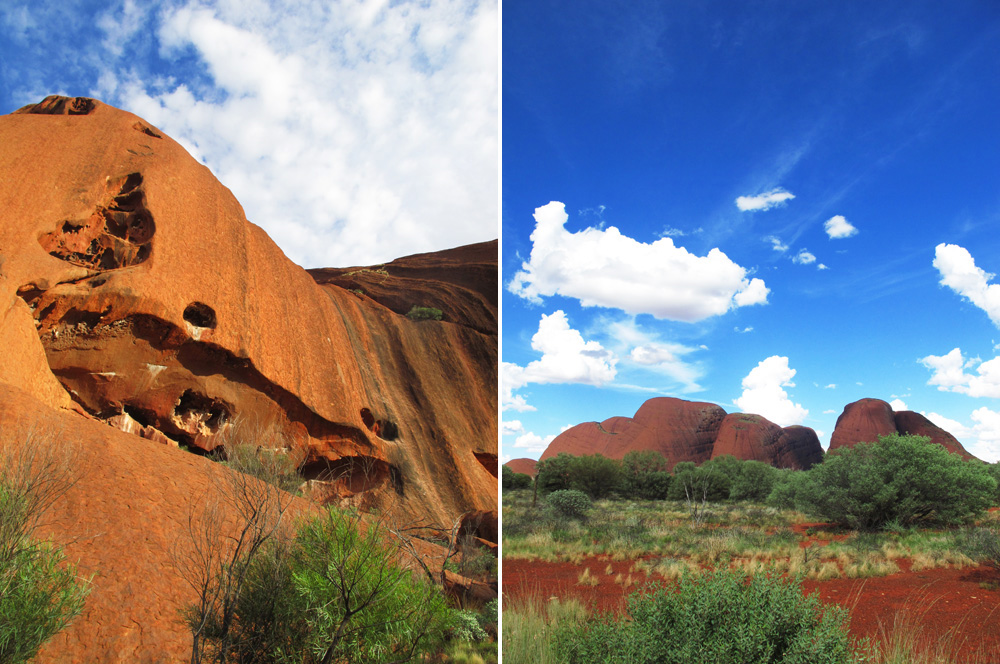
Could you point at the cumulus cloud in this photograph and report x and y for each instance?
(352, 132)
(603, 268)
(949, 374)
(776, 243)
(765, 201)
(959, 272)
(898, 405)
(837, 227)
(532, 442)
(763, 393)
(804, 257)
(566, 358)
(981, 438)
(511, 427)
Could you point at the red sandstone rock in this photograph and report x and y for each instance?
(134, 292)
(909, 422)
(523, 466)
(679, 430)
(134, 284)
(691, 431)
(863, 422)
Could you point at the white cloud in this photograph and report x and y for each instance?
(745, 330)
(981, 439)
(838, 227)
(566, 358)
(898, 405)
(821, 266)
(950, 376)
(511, 427)
(351, 132)
(959, 272)
(532, 442)
(604, 268)
(765, 201)
(776, 243)
(804, 257)
(762, 393)
(831, 386)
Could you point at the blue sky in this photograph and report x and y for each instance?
(778, 207)
(353, 132)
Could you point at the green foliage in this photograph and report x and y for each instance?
(424, 313)
(336, 593)
(721, 617)
(467, 627)
(755, 481)
(569, 502)
(644, 475)
(982, 544)
(553, 474)
(39, 593)
(512, 481)
(39, 596)
(786, 487)
(595, 475)
(994, 470)
(902, 479)
(704, 483)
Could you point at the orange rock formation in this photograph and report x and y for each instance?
(134, 292)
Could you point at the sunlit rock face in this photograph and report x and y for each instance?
(691, 431)
(867, 419)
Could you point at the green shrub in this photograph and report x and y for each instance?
(720, 617)
(467, 627)
(569, 502)
(982, 544)
(595, 475)
(424, 313)
(754, 481)
(554, 473)
(336, 592)
(698, 484)
(785, 488)
(513, 481)
(644, 475)
(901, 479)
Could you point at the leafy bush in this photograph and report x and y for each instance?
(754, 481)
(569, 502)
(512, 480)
(424, 313)
(698, 484)
(467, 627)
(721, 616)
(982, 544)
(905, 479)
(39, 594)
(334, 593)
(787, 483)
(645, 475)
(594, 474)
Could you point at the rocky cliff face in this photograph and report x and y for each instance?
(867, 419)
(691, 431)
(134, 292)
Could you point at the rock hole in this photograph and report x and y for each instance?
(396, 478)
(487, 461)
(143, 416)
(200, 314)
(198, 414)
(368, 418)
(81, 106)
(386, 430)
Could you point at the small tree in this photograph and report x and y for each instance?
(39, 594)
(906, 479)
(512, 480)
(596, 475)
(554, 473)
(645, 475)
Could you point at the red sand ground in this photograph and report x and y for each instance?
(965, 601)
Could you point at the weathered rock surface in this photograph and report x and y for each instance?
(523, 466)
(134, 292)
(691, 431)
(865, 420)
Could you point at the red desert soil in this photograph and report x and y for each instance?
(936, 599)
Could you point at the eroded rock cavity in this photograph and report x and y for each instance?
(117, 234)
